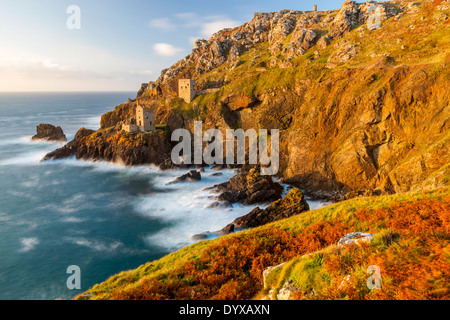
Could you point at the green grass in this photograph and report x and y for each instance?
(315, 277)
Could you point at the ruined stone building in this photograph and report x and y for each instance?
(186, 89)
(144, 122)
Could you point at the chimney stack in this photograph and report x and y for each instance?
(315, 8)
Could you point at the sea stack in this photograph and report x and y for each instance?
(49, 132)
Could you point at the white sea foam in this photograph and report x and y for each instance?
(24, 159)
(73, 220)
(185, 206)
(23, 140)
(28, 244)
(96, 245)
(70, 205)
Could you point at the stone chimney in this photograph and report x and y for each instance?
(315, 8)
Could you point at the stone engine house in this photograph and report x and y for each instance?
(145, 121)
(186, 89)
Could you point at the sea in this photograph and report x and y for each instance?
(102, 217)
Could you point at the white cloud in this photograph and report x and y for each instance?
(162, 24)
(47, 63)
(215, 24)
(166, 50)
(141, 72)
(206, 25)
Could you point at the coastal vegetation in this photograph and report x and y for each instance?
(411, 247)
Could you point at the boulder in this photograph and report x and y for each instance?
(292, 204)
(191, 176)
(355, 238)
(49, 132)
(324, 42)
(249, 188)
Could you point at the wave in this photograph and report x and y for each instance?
(186, 208)
(24, 140)
(25, 159)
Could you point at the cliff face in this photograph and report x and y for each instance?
(359, 105)
(390, 130)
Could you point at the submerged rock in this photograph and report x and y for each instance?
(191, 176)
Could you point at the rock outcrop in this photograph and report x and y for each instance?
(49, 132)
(353, 14)
(292, 204)
(355, 238)
(191, 176)
(116, 146)
(249, 188)
(71, 148)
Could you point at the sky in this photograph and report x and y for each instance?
(112, 45)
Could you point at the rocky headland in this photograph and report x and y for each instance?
(358, 116)
(362, 106)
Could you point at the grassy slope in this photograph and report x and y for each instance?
(243, 256)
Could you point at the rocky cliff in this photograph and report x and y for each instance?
(361, 103)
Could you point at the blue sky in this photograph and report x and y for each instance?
(120, 44)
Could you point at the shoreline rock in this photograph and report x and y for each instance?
(49, 132)
(191, 176)
(292, 204)
(248, 188)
